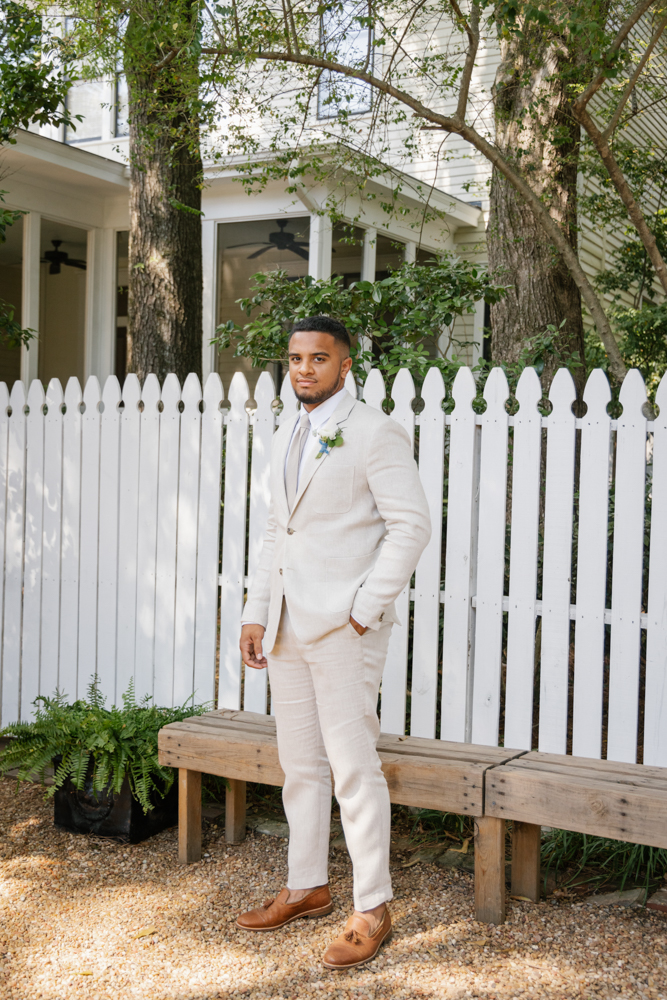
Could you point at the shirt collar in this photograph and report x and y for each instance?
(321, 413)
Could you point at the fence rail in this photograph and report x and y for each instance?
(538, 611)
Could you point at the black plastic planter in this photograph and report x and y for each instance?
(113, 815)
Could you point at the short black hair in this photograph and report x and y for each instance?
(323, 324)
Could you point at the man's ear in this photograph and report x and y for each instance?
(347, 364)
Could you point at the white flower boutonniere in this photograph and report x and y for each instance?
(330, 436)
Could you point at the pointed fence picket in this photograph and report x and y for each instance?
(107, 587)
(165, 557)
(460, 561)
(68, 661)
(186, 542)
(4, 496)
(110, 521)
(149, 454)
(89, 534)
(490, 561)
(49, 625)
(655, 713)
(626, 587)
(263, 424)
(32, 558)
(208, 542)
(426, 640)
(232, 580)
(591, 569)
(394, 678)
(524, 541)
(128, 535)
(11, 653)
(557, 566)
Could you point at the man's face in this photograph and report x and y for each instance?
(318, 364)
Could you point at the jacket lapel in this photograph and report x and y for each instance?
(282, 458)
(340, 414)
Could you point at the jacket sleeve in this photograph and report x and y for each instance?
(256, 608)
(394, 481)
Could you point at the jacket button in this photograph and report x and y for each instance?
(281, 572)
(290, 531)
(381, 618)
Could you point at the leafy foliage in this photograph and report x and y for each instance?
(12, 334)
(643, 343)
(114, 742)
(33, 82)
(399, 321)
(611, 858)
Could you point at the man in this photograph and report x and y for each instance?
(347, 524)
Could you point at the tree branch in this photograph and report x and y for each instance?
(625, 193)
(452, 124)
(633, 80)
(625, 29)
(171, 54)
(472, 30)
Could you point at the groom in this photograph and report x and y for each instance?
(347, 524)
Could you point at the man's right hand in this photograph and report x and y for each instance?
(251, 646)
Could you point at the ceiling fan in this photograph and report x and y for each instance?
(56, 258)
(279, 241)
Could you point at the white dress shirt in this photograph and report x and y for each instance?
(318, 417)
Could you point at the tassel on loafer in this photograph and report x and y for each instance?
(356, 946)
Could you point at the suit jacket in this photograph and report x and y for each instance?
(353, 539)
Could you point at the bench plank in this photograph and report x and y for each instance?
(564, 798)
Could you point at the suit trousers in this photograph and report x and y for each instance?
(324, 698)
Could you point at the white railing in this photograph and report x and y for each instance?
(110, 520)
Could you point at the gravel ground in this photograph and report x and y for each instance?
(87, 918)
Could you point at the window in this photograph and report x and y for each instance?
(347, 41)
(121, 108)
(244, 248)
(347, 246)
(86, 99)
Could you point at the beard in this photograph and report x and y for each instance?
(319, 395)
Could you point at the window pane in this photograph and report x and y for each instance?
(122, 126)
(347, 245)
(86, 99)
(244, 248)
(346, 41)
(389, 255)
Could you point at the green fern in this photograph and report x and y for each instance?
(113, 743)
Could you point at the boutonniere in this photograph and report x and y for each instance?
(330, 436)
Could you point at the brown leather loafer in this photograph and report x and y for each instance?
(275, 913)
(355, 945)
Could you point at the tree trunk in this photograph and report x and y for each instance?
(543, 143)
(165, 256)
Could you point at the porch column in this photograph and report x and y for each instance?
(319, 258)
(100, 339)
(369, 254)
(209, 246)
(30, 295)
(368, 261)
(410, 253)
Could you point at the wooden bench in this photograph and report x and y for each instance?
(429, 774)
(598, 797)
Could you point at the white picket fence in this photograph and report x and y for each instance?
(110, 521)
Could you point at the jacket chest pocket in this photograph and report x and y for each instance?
(332, 488)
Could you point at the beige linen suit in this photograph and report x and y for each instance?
(348, 547)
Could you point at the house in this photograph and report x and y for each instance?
(64, 266)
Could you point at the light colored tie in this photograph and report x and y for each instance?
(294, 458)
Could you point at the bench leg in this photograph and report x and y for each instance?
(490, 870)
(189, 816)
(526, 842)
(235, 811)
